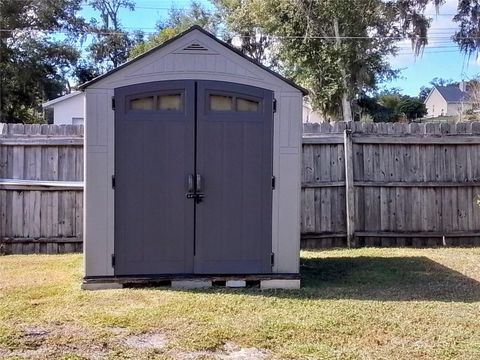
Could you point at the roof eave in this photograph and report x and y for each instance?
(61, 99)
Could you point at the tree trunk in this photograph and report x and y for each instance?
(346, 106)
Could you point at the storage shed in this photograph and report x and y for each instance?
(192, 175)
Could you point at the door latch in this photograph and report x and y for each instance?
(194, 188)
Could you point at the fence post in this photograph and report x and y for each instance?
(349, 187)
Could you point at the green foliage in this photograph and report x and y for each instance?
(112, 44)
(242, 31)
(306, 49)
(85, 71)
(390, 101)
(391, 107)
(33, 64)
(300, 40)
(467, 35)
(424, 92)
(177, 22)
(413, 108)
(153, 41)
(370, 106)
(442, 82)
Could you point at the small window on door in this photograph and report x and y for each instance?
(221, 103)
(144, 103)
(169, 102)
(247, 105)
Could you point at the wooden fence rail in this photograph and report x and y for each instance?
(390, 184)
(41, 188)
(363, 184)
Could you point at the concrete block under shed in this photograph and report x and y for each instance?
(191, 284)
(290, 284)
(102, 286)
(236, 283)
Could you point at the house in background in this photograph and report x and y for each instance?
(68, 109)
(451, 100)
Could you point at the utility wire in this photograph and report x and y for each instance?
(373, 37)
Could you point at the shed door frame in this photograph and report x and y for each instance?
(201, 111)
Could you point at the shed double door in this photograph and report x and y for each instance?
(193, 178)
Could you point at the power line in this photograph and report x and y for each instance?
(293, 37)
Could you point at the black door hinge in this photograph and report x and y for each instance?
(272, 259)
(274, 181)
(113, 260)
(113, 103)
(274, 105)
(113, 181)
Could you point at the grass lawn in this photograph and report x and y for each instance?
(354, 304)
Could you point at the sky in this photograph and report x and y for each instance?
(441, 57)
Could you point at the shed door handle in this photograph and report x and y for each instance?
(199, 184)
(190, 184)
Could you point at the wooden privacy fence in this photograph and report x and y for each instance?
(390, 184)
(41, 188)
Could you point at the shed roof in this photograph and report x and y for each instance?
(195, 27)
(452, 93)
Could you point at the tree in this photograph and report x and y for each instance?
(413, 108)
(424, 92)
(33, 64)
(85, 71)
(442, 82)
(367, 105)
(468, 34)
(111, 44)
(177, 22)
(332, 50)
(391, 106)
(242, 32)
(390, 99)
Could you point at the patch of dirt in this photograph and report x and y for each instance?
(146, 341)
(233, 352)
(230, 351)
(118, 331)
(35, 332)
(50, 341)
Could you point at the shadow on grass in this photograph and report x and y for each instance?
(384, 279)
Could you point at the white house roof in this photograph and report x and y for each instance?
(193, 28)
(61, 98)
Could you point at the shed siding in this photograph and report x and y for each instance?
(98, 194)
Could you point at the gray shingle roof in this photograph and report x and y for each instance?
(452, 93)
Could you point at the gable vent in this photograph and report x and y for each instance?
(195, 47)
